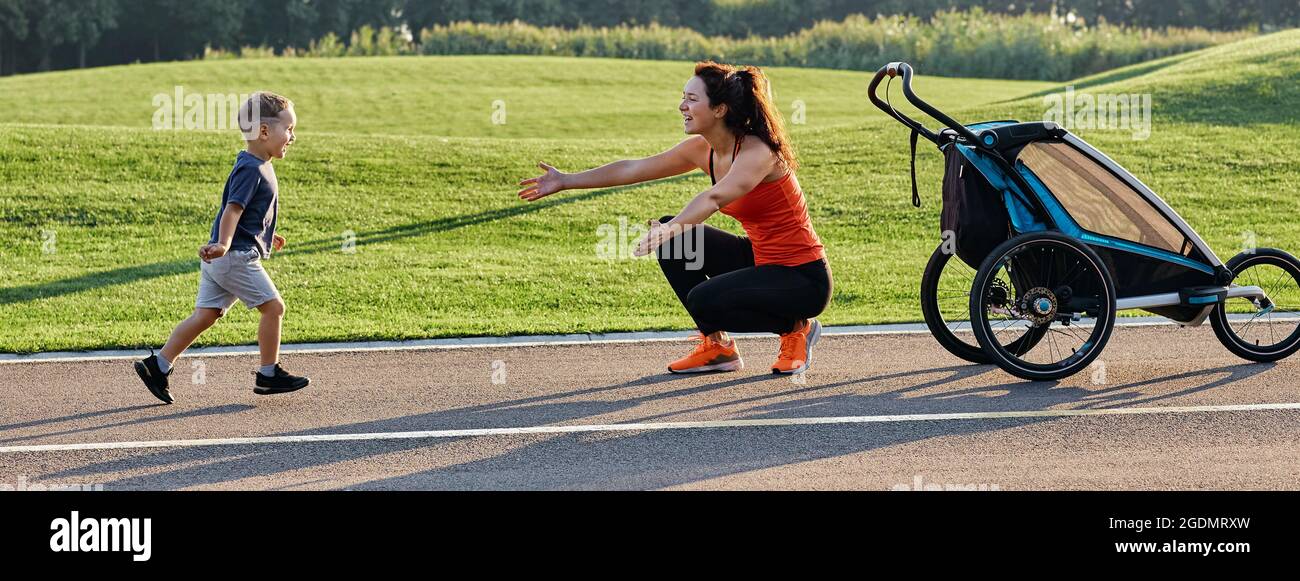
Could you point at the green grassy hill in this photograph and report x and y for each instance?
(549, 98)
(102, 215)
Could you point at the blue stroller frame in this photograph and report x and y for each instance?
(1063, 237)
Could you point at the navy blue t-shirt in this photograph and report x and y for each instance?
(251, 185)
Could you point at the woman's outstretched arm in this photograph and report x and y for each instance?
(675, 161)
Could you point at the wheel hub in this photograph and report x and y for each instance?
(999, 294)
(1038, 305)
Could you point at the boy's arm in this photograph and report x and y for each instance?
(225, 233)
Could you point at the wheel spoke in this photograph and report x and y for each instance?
(1272, 339)
(1077, 266)
(1275, 289)
(1047, 280)
(1073, 349)
(1052, 352)
(1249, 322)
(1069, 331)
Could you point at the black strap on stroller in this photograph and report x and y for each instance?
(916, 197)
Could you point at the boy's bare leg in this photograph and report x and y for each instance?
(185, 333)
(268, 331)
(275, 379)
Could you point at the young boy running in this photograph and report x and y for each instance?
(242, 235)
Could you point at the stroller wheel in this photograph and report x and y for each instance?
(1268, 329)
(945, 305)
(1044, 284)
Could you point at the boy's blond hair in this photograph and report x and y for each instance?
(262, 106)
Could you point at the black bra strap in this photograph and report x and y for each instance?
(711, 178)
(733, 160)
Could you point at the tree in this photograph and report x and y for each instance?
(76, 22)
(177, 29)
(282, 23)
(13, 28)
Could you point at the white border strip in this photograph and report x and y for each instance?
(485, 342)
(581, 428)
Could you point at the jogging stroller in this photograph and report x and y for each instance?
(1052, 238)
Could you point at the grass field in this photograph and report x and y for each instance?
(101, 215)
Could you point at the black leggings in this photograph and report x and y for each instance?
(714, 276)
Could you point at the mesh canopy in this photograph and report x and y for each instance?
(1098, 200)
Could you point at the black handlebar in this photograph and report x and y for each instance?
(895, 69)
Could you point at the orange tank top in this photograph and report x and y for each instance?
(775, 217)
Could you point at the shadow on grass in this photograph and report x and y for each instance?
(132, 274)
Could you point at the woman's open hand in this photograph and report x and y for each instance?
(652, 238)
(541, 186)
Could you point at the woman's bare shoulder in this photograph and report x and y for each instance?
(755, 146)
(696, 149)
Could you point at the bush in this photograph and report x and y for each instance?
(328, 46)
(256, 52)
(970, 43)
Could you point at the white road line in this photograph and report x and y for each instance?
(580, 428)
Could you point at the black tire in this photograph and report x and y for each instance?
(943, 330)
(1282, 293)
(1076, 281)
(963, 346)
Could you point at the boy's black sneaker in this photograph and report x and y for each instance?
(154, 378)
(281, 382)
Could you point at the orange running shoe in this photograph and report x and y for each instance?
(796, 348)
(709, 355)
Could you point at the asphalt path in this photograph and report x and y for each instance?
(1164, 408)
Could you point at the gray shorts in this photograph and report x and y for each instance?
(237, 275)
